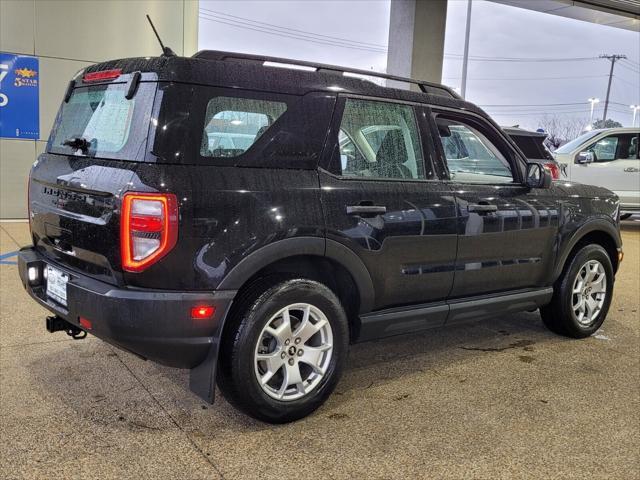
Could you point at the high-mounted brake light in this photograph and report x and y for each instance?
(102, 75)
(148, 229)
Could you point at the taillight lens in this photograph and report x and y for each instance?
(149, 229)
(554, 170)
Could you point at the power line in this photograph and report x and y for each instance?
(287, 32)
(629, 67)
(624, 80)
(287, 35)
(540, 114)
(289, 29)
(521, 59)
(533, 104)
(532, 78)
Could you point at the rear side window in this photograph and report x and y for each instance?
(111, 125)
(380, 140)
(233, 124)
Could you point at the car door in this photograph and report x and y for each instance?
(382, 200)
(506, 230)
(615, 166)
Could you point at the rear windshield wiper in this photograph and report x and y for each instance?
(78, 143)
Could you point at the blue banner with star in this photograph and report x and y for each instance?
(19, 96)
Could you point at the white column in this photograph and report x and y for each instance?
(416, 39)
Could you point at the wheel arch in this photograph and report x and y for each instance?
(305, 255)
(600, 232)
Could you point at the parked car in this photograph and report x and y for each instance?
(532, 145)
(349, 217)
(223, 142)
(608, 158)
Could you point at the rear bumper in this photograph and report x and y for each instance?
(153, 324)
(632, 209)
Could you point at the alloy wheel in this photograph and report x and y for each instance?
(589, 292)
(293, 352)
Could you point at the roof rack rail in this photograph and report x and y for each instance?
(426, 87)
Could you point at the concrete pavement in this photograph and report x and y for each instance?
(503, 398)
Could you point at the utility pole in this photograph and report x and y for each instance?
(612, 59)
(465, 57)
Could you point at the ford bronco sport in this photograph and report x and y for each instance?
(248, 222)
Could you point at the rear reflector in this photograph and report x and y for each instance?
(202, 312)
(85, 323)
(148, 229)
(102, 75)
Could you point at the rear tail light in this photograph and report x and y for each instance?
(148, 229)
(553, 169)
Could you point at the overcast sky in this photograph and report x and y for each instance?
(355, 33)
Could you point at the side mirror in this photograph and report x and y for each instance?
(585, 157)
(538, 176)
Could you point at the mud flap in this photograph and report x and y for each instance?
(202, 378)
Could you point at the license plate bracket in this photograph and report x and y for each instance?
(57, 282)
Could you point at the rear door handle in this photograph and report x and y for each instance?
(482, 208)
(366, 210)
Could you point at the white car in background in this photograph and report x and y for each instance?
(608, 158)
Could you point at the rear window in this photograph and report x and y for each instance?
(233, 124)
(532, 146)
(111, 125)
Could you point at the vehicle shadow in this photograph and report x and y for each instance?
(370, 365)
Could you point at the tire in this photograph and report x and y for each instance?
(625, 216)
(592, 304)
(257, 344)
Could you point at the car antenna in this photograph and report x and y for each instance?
(166, 51)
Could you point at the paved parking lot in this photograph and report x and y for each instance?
(498, 399)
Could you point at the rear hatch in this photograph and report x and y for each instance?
(98, 141)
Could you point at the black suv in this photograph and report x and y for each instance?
(249, 217)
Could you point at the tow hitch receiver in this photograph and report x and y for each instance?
(57, 324)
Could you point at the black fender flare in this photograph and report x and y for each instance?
(202, 378)
(313, 246)
(600, 225)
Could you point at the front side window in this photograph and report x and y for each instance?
(380, 140)
(233, 124)
(615, 147)
(470, 155)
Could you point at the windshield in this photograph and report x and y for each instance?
(98, 121)
(569, 147)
